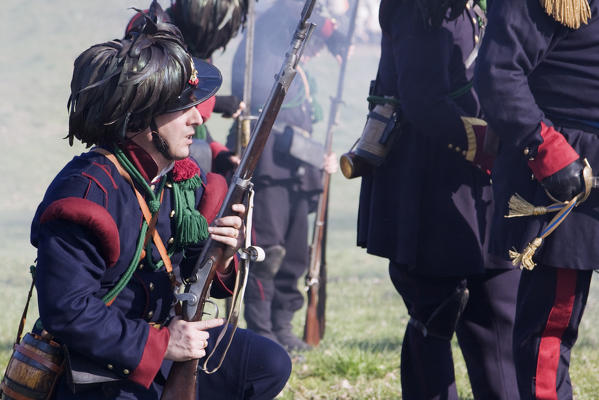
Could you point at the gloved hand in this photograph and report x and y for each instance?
(476, 150)
(565, 183)
(225, 161)
(227, 105)
(483, 158)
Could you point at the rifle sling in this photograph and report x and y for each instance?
(238, 294)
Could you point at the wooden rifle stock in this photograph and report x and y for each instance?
(181, 381)
(314, 327)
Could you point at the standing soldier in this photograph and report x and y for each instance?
(286, 184)
(538, 81)
(427, 206)
(121, 224)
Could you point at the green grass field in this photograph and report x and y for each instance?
(359, 356)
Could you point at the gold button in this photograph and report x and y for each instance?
(526, 151)
(150, 314)
(450, 146)
(171, 241)
(151, 286)
(172, 214)
(125, 371)
(110, 366)
(141, 266)
(153, 187)
(476, 38)
(464, 153)
(169, 185)
(458, 149)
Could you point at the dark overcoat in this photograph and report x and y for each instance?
(426, 206)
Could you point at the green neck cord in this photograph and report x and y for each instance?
(111, 295)
(154, 203)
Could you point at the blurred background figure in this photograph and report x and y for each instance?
(288, 177)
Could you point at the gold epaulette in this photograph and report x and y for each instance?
(570, 13)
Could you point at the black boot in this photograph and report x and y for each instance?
(260, 291)
(281, 326)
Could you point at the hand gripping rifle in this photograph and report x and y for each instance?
(316, 277)
(181, 382)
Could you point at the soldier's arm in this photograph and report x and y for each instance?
(518, 36)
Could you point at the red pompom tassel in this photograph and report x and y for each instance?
(185, 169)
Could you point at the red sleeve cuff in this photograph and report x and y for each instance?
(227, 281)
(217, 148)
(553, 154)
(152, 357)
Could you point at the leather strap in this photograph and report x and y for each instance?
(24, 315)
(151, 220)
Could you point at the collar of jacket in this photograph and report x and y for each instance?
(144, 163)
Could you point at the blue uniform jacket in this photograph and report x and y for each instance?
(426, 206)
(86, 230)
(533, 71)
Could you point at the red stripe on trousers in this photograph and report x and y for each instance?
(549, 348)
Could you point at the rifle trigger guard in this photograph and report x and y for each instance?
(216, 309)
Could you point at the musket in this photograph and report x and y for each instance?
(181, 381)
(316, 277)
(244, 120)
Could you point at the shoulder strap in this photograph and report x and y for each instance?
(150, 219)
(24, 315)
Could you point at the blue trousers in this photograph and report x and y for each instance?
(551, 302)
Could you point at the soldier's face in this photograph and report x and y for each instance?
(175, 133)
